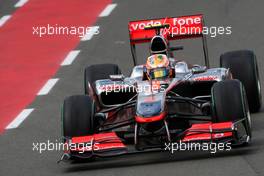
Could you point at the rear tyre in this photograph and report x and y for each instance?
(243, 66)
(77, 116)
(229, 103)
(97, 72)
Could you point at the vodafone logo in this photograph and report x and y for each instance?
(141, 25)
(189, 21)
(174, 22)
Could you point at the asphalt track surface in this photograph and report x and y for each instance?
(111, 46)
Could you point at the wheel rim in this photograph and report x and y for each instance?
(249, 119)
(258, 85)
(259, 89)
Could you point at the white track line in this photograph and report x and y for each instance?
(4, 19)
(20, 3)
(92, 31)
(19, 119)
(48, 86)
(107, 10)
(70, 57)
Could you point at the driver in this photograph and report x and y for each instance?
(158, 67)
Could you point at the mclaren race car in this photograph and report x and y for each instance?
(164, 100)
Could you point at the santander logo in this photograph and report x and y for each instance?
(206, 78)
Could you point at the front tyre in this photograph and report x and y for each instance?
(229, 103)
(78, 116)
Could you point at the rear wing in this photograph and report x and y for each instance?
(183, 27)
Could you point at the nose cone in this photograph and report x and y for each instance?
(149, 109)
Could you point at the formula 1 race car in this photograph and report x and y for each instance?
(163, 101)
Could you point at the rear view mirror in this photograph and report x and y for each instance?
(117, 77)
(198, 69)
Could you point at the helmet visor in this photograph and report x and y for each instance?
(159, 73)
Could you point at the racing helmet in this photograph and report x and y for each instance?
(157, 66)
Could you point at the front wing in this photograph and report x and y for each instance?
(108, 144)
